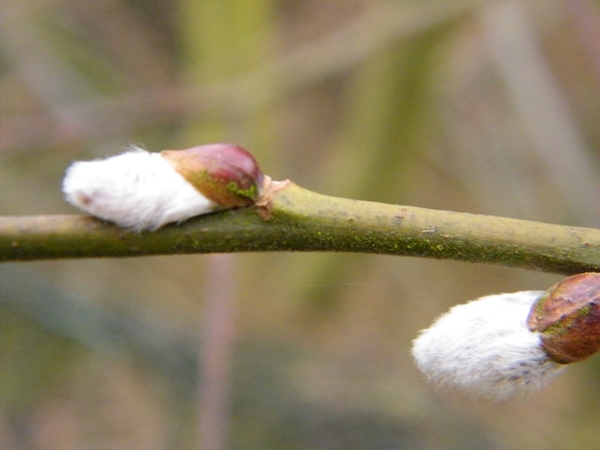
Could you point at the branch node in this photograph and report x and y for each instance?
(269, 187)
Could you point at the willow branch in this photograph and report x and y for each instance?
(301, 220)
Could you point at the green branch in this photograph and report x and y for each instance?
(301, 220)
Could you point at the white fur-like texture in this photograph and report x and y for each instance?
(484, 348)
(137, 189)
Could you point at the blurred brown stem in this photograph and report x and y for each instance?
(301, 220)
(216, 350)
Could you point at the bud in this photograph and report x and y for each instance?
(227, 174)
(485, 348)
(567, 317)
(144, 191)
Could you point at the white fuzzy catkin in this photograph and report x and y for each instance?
(485, 348)
(136, 189)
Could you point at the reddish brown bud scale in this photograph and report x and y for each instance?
(225, 173)
(568, 318)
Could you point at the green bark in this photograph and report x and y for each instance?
(301, 220)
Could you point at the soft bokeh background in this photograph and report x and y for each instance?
(481, 106)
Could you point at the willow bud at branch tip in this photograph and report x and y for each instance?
(144, 191)
(485, 349)
(567, 317)
(500, 345)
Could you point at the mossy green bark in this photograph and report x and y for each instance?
(301, 220)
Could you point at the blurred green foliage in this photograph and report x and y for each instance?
(478, 106)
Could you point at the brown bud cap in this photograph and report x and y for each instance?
(567, 317)
(224, 173)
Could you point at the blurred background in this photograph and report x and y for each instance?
(480, 106)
